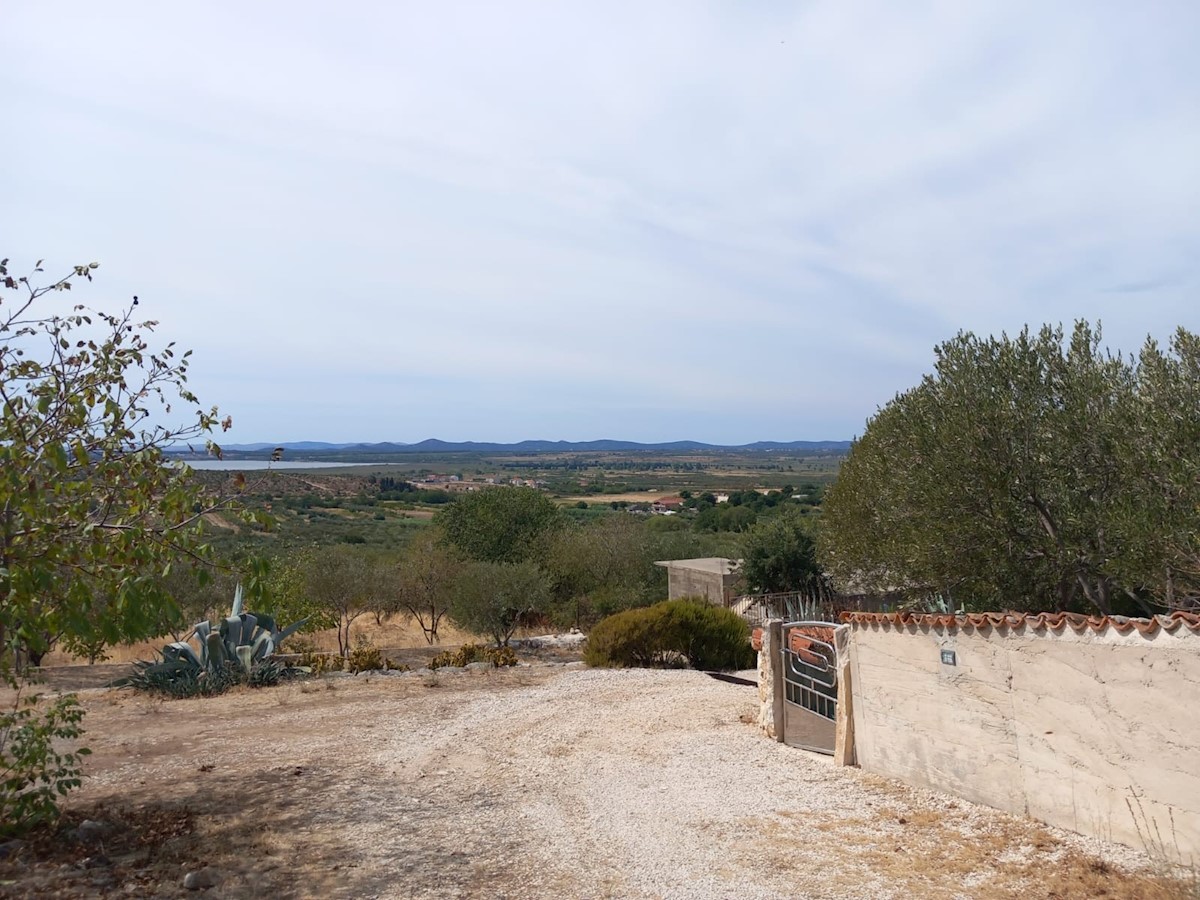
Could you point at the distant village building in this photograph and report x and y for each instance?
(712, 577)
(455, 484)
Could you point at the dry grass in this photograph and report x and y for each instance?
(605, 499)
(396, 632)
(914, 850)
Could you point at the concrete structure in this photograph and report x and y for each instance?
(713, 577)
(1089, 724)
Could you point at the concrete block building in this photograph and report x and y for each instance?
(713, 577)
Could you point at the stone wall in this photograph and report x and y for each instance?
(767, 640)
(1091, 725)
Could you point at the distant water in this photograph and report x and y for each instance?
(253, 465)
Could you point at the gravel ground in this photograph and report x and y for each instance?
(554, 782)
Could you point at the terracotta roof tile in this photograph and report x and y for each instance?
(801, 641)
(1037, 621)
(798, 638)
(800, 632)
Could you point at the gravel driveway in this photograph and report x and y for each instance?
(550, 782)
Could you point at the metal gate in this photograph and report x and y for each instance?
(809, 665)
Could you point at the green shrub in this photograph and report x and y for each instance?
(672, 634)
(629, 638)
(34, 775)
(711, 637)
(469, 653)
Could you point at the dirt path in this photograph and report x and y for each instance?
(219, 521)
(545, 782)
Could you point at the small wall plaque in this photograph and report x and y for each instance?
(948, 658)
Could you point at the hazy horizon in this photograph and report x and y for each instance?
(700, 221)
(354, 443)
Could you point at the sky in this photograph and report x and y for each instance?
(649, 221)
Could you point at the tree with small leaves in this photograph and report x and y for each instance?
(781, 555)
(93, 517)
(92, 514)
(500, 524)
(346, 582)
(497, 598)
(427, 576)
(1035, 472)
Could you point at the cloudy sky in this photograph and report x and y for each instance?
(650, 220)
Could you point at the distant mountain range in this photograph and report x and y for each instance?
(435, 446)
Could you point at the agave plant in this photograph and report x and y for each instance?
(243, 638)
(238, 649)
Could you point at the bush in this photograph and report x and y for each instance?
(629, 638)
(672, 634)
(33, 774)
(469, 653)
(269, 673)
(178, 681)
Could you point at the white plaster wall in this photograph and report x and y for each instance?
(1068, 728)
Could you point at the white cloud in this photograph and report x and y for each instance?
(570, 222)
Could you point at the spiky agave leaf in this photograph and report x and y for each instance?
(237, 650)
(289, 631)
(263, 646)
(179, 650)
(231, 631)
(216, 651)
(249, 626)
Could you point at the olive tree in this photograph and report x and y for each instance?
(781, 555)
(601, 567)
(496, 598)
(1034, 472)
(427, 575)
(499, 524)
(346, 582)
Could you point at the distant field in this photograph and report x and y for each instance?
(638, 469)
(631, 497)
(341, 505)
